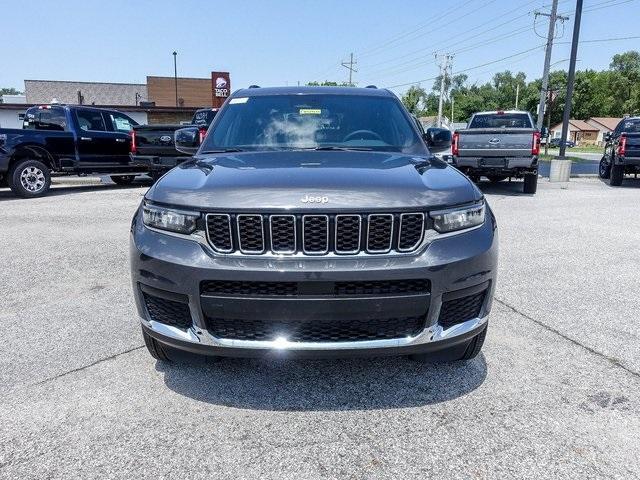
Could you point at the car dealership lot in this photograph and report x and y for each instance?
(554, 393)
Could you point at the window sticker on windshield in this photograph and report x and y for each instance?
(310, 111)
(238, 100)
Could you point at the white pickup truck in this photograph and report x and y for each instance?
(499, 145)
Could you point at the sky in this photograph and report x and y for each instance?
(283, 42)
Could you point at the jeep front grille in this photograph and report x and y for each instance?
(315, 234)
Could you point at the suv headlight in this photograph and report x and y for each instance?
(178, 221)
(458, 218)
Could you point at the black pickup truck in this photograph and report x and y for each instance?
(153, 145)
(621, 151)
(75, 140)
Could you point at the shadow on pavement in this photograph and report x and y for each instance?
(628, 182)
(505, 187)
(308, 385)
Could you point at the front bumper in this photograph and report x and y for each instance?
(177, 266)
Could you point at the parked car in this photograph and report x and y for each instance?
(621, 151)
(499, 145)
(75, 140)
(313, 221)
(153, 145)
(555, 142)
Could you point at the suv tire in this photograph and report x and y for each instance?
(29, 178)
(123, 179)
(617, 174)
(156, 349)
(604, 170)
(530, 183)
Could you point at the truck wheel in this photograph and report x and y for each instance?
(617, 174)
(123, 179)
(156, 349)
(496, 178)
(29, 178)
(604, 170)
(530, 183)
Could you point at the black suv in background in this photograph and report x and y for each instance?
(313, 221)
(65, 139)
(621, 151)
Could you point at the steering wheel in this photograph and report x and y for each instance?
(366, 133)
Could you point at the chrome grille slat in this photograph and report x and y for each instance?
(411, 231)
(379, 232)
(315, 234)
(283, 233)
(348, 230)
(250, 233)
(219, 232)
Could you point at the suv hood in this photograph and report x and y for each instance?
(342, 180)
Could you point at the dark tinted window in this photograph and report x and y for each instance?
(501, 120)
(630, 125)
(311, 121)
(45, 118)
(204, 117)
(90, 120)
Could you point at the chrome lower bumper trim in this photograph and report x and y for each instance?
(431, 334)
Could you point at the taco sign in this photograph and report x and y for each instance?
(221, 87)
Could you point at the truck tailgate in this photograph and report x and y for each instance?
(504, 142)
(156, 140)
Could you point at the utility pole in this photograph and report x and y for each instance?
(553, 18)
(350, 66)
(570, 79)
(175, 74)
(444, 66)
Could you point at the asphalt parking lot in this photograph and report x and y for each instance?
(554, 393)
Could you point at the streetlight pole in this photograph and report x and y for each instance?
(175, 74)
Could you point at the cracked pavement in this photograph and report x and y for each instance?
(554, 393)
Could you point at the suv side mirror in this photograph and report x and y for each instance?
(438, 138)
(187, 140)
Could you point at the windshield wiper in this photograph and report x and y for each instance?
(223, 150)
(334, 147)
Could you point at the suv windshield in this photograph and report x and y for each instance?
(313, 121)
(501, 120)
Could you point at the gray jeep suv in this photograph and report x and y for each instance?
(313, 221)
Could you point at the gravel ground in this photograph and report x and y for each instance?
(554, 394)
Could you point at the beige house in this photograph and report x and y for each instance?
(587, 132)
(604, 125)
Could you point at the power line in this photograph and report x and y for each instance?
(350, 66)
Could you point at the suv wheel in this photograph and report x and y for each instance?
(123, 179)
(604, 171)
(617, 174)
(156, 349)
(530, 182)
(29, 178)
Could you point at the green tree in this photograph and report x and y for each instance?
(329, 83)
(414, 99)
(9, 91)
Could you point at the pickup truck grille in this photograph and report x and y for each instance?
(315, 234)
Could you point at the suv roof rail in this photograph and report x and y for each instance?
(254, 86)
